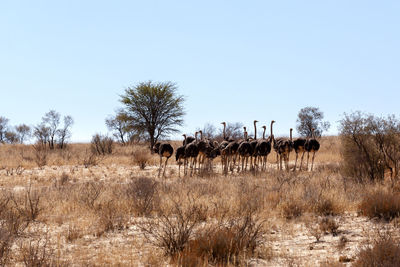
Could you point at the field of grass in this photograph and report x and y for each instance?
(67, 207)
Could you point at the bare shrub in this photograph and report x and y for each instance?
(6, 241)
(29, 203)
(382, 204)
(41, 152)
(384, 251)
(111, 217)
(144, 195)
(325, 206)
(102, 145)
(292, 208)
(329, 225)
(90, 159)
(36, 252)
(73, 233)
(141, 157)
(370, 146)
(314, 229)
(172, 229)
(225, 243)
(89, 192)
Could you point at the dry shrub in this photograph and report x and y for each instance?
(141, 157)
(6, 241)
(111, 217)
(384, 251)
(325, 206)
(90, 159)
(173, 228)
(102, 145)
(381, 203)
(41, 152)
(73, 233)
(28, 204)
(143, 192)
(292, 208)
(314, 229)
(329, 225)
(36, 252)
(225, 243)
(89, 192)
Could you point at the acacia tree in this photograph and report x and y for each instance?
(64, 133)
(154, 108)
(311, 118)
(52, 120)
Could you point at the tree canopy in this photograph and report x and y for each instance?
(154, 108)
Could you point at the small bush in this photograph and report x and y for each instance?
(36, 252)
(111, 217)
(29, 204)
(224, 244)
(292, 209)
(329, 225)
(6, 241)
(41, 152)
(384, 251)
(325, 207)
(144, 195)
(141, 157)
(102, 145)
(89, 192)
(381, 204)
(172, 229)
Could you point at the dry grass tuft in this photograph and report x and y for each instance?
(381, 203)
(384, 251)
(141, 157)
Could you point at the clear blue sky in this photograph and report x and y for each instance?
(233, 60)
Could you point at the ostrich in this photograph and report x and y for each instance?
(264, 147)
(163, 150)
(204, 148)
(283, 147)
(245, 150)
(180, 154)
(312, 145)
(253, 143)
(299, 147)
(188, 140)
(191, 153)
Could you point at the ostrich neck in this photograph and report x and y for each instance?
(291, 136)
(272, 136)
(224, 131)
(264, 132)
(255, 131)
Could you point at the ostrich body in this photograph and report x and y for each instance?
(164, 150)
(299, 147)
(283, 147)
(311, 145)
(254, 143)
(191, 153)
(245, 151)
(264, 148)
(180, 155)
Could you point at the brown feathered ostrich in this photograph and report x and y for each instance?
(164, 150)
(253, 143)
(245, 150)
(311, 145)
(283, 147)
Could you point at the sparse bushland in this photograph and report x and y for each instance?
(240, 219)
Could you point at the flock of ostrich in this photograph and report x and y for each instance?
(237, 154)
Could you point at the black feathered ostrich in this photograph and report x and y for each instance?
(253, 143)
(180, 154)
(263, 148)
(245, 150)
(164, 150)
(311, 145)
(299, 147)
(191, 153)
